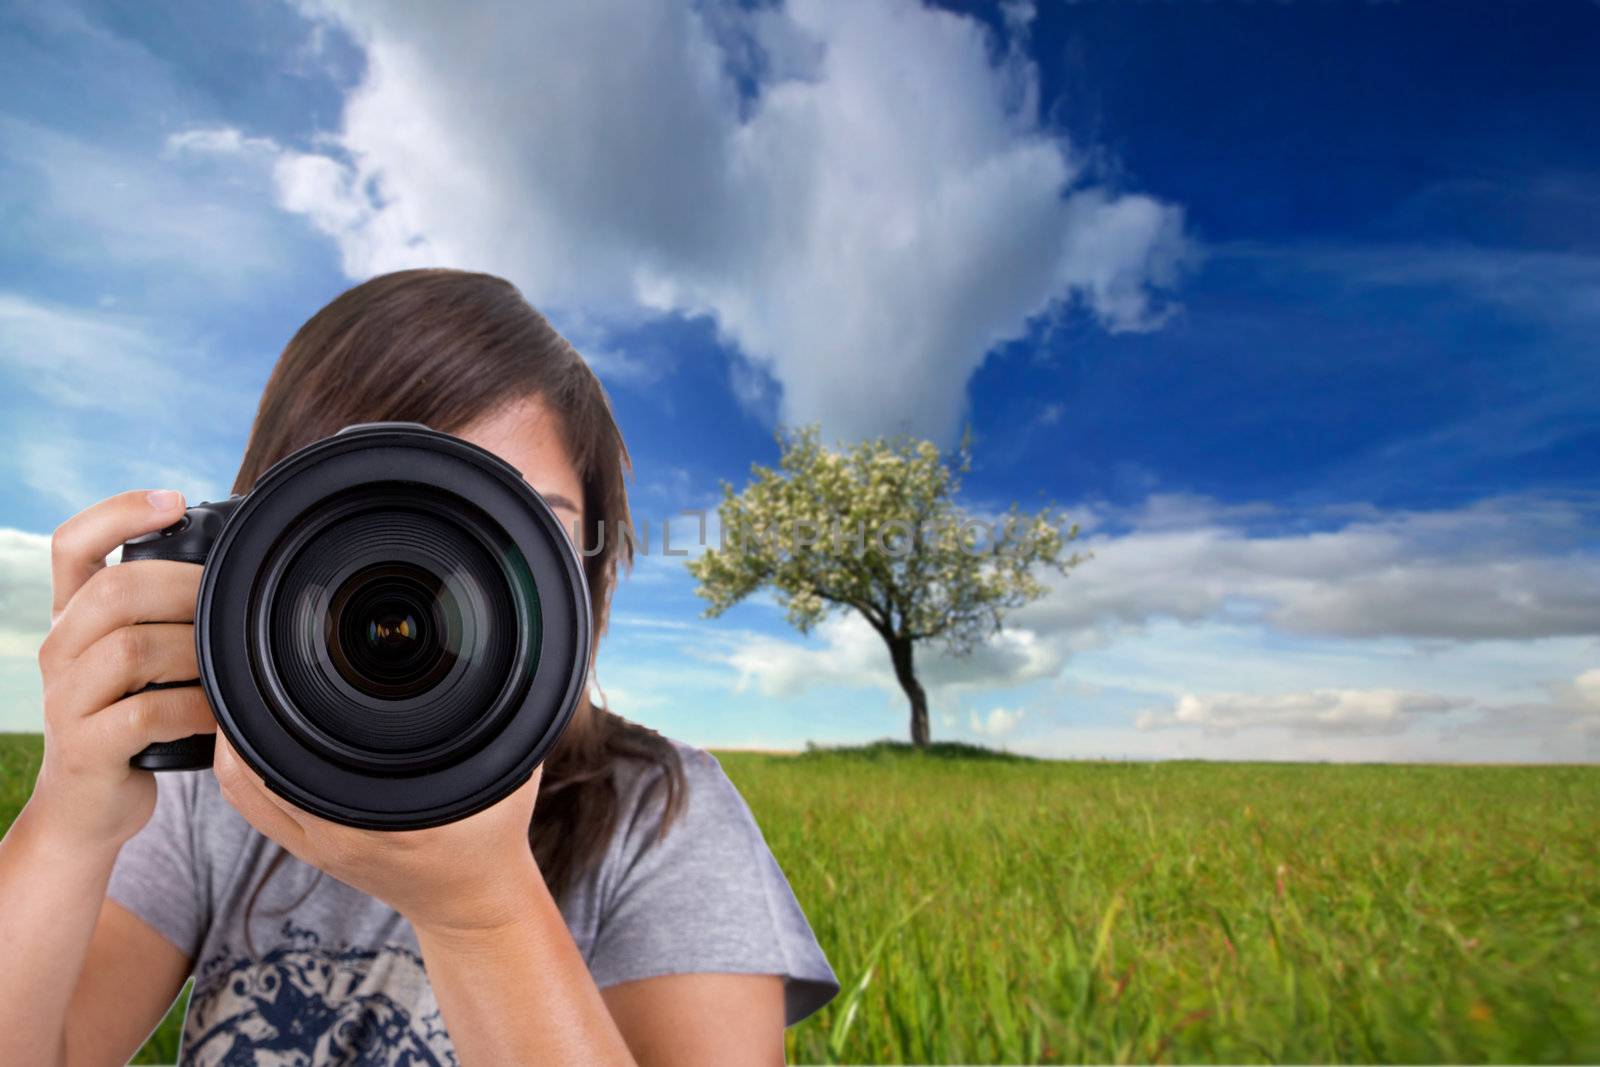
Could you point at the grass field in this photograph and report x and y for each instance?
(982, 909)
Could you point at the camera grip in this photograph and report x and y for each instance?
(188, 540)
(187, 754)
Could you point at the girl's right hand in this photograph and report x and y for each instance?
(113, 631)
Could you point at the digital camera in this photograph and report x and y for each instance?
(393, 629)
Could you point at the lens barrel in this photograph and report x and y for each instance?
(393, 628)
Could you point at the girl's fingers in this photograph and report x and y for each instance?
(79, 548)
(126, 660)
(158, 715)
(129, 593)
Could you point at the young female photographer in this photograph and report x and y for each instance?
(622, 907)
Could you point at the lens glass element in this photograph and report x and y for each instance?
(396, 623)
(393, 630)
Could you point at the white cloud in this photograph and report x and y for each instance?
(625, 701)
(24, 591)
(73, 379)
(1084, 741)
(118, 212)
(219, 141)
(844, 651)
(1569, 717)
(1562, 287)
(1364, 711)
(998, 723)
(882, 210)
(1508, 567)
(71, 471)
(24, 620)
(86, 359)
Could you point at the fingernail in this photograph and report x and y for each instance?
(164, 499)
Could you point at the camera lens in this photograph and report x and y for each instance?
(392, 620)
(392, 630)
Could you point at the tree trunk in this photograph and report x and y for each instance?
(900, 650)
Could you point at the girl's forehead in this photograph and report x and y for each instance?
(527, 435)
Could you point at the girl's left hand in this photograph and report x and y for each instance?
(466, 875)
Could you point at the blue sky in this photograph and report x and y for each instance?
(1291, 306)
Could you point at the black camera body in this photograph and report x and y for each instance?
(392, 629)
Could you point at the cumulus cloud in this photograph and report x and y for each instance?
(862, 196)
(845, 651)
(997, 723)
(1569, 718)
(219, 141)
(1585, 690)
(24, 620)
(24, 591)
(1364, 711)
(1506, 567)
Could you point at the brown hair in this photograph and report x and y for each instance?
(443, 348)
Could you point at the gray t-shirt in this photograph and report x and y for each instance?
(326, 970)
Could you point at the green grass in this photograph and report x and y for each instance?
(980, 908)
(983, 910)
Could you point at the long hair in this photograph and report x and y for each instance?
(442, 348)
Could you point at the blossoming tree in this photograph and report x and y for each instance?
(875, 528)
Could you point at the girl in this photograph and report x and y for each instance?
(622, 907)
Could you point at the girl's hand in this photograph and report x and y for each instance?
(113, 631)
(464, 876)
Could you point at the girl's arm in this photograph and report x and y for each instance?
(519, 991)
(83, 980)
(511, 984)
(513, 987)
(701, 1018)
